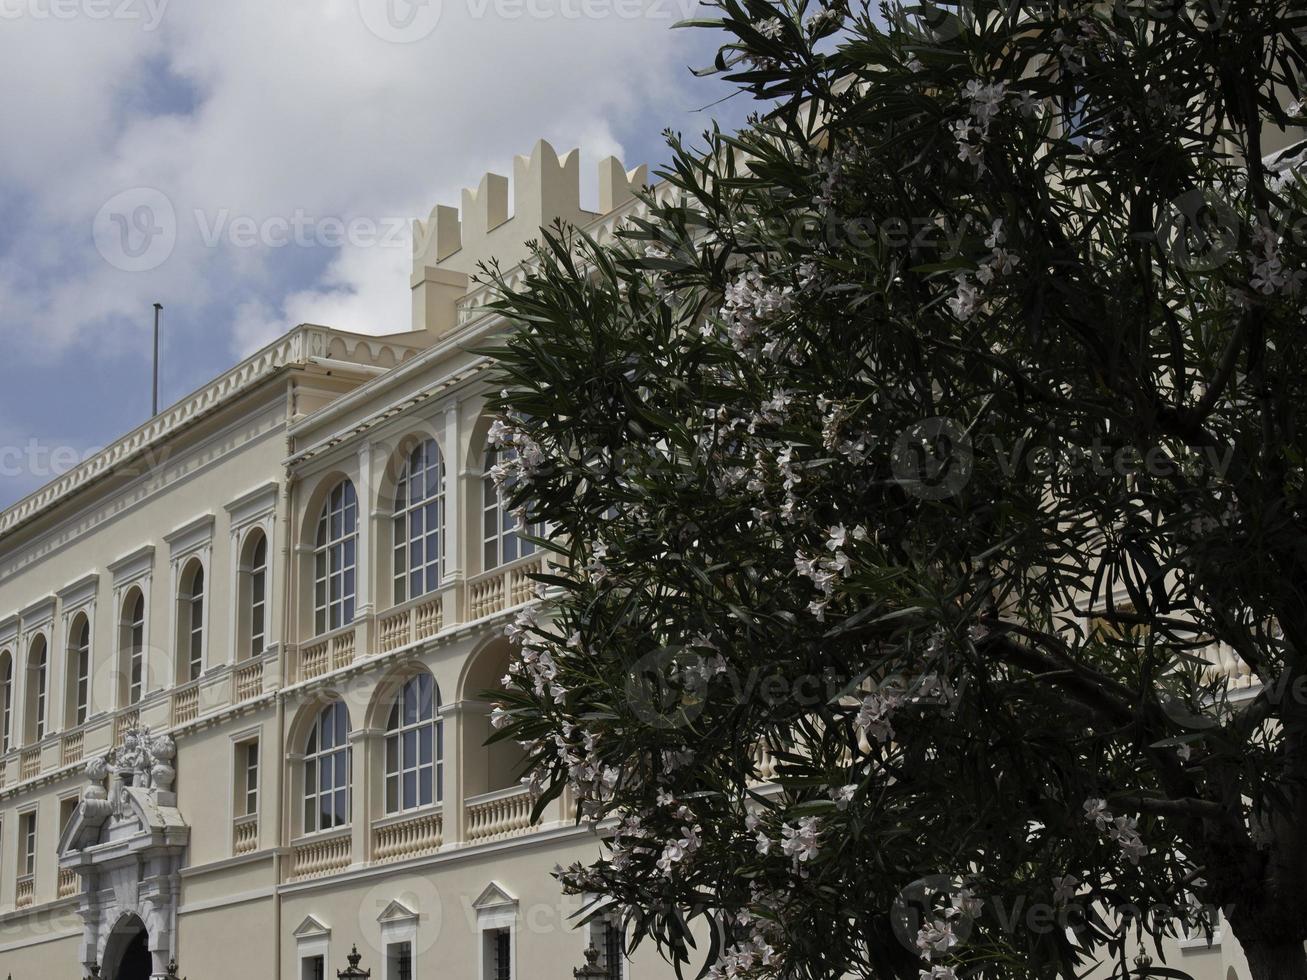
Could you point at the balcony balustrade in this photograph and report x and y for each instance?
(411, 621)
(67, 885)
(71, 747)
(504, 587)
(245, 834)
(25, 894)
(186, 704)
(247, 681)
(315, 857)
(406, 836)
(498, 815)
(131, 718)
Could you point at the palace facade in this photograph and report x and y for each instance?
(244, 654)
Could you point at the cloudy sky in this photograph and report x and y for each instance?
(296, 114)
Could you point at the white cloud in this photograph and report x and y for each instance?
(244, 112)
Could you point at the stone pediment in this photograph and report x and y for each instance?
(311, 927)
(139, 815)
(494, 896)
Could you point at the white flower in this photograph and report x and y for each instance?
(874, 714)
(963, 902)
(965, 299)
(843, 796)
(1064, 889)
(1096, 812)
(936, 938)
(771, 28)
(499, 718)
(800, 842)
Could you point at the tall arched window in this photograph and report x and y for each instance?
(415, 747)
(78, 703)
(419, 522)
(190, 623)
(327, 770)
(131, 647)
(37, 679)
(6, 701)
(500, 537)
(253, 593)
(334, 559)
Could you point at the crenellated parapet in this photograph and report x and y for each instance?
(452, 243)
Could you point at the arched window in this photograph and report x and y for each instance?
(190, 623)
(419, 522)
(327, 770)
(6, 700)
(253, 592)
(334, 560)
(37, 677)
(415, 747)
(131, 647)
(500, 529)
(78, 702)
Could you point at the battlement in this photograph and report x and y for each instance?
(450, 245)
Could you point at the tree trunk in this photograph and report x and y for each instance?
(1276, 961)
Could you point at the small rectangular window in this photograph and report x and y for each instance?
(250, 776)
(313, 968)
(399, 961)
(503, 948)
(608, 937)
(27, 844)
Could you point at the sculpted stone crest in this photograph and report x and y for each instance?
(142, 761)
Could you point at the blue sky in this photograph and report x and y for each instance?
(244, 114)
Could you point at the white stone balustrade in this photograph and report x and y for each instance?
(314, 857)
(495, 816)
(404, 837)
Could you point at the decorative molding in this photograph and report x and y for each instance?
(311, 928)
(254, 504)
(297, 348)
(80, 593)
(9, 630)
(191, 536)
(133, 566)
(496, 908)
(37, 615)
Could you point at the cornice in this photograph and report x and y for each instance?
(297, 348)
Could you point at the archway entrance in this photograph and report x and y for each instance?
(127, 954)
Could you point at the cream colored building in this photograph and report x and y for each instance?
(287, 578)
(297, 580)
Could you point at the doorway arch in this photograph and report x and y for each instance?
(127, 953)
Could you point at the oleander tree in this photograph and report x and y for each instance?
(923, 470)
